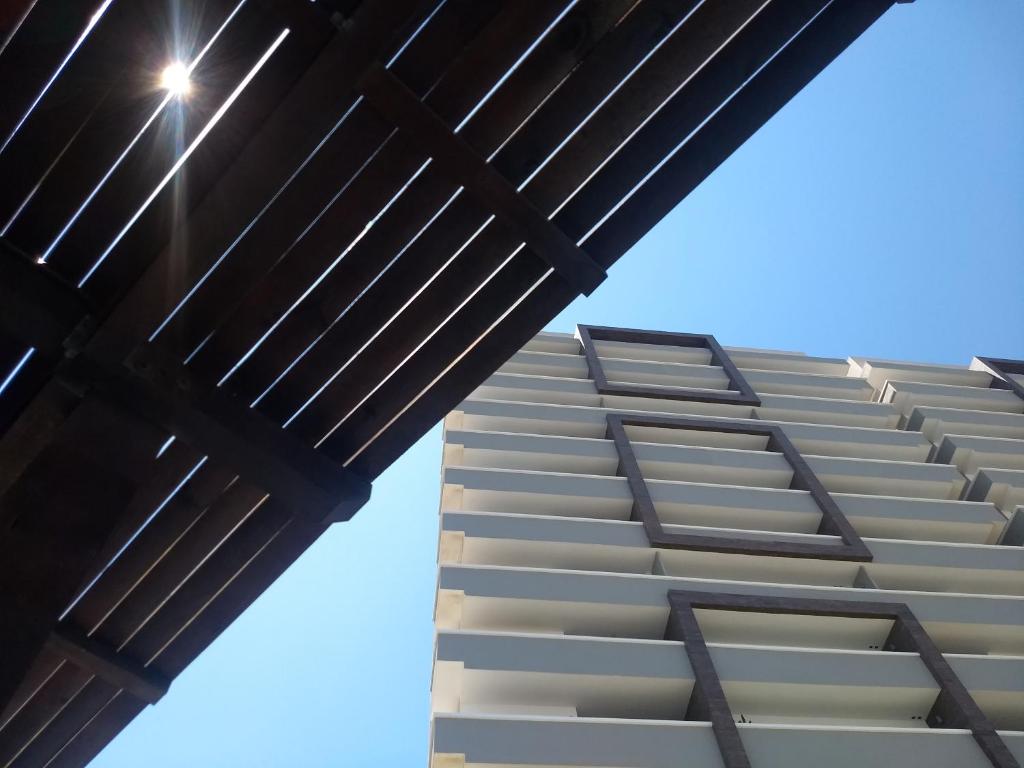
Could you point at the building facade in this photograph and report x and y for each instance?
(658, 552)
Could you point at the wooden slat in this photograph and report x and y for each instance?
(824, 39)
(201, 496)
(92, 698)
(697, 40)
(336, 170)
(97, 731)
(361, 197)
(235, 596)
(213, 617)
(101, 65)
(131, 327)
(274, 151)
(221, 144)
(30, 58)
(170, 470)
(242, 44)
(512, 103)
(49, 701)
(12, 16)
(181, 557)
(239, 592)
(217, 571)
(690, 46)
(118, 118)
(46, 665)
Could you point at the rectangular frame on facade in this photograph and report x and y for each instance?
(833, 521)
(954, 706)
(740, 392)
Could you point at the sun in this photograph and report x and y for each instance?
(174, 79)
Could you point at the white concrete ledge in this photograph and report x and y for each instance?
(1002, 487)
(907, 395)
(739, 507)
(581, 421)
(502, 742)
(795, 362)
(694, 461)
(621, 677)
(810, 402)
(878, 372)
(969, 454)
(622, 547)
(935, 423)
(630, 605)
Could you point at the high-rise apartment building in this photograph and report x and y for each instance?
(658, 552)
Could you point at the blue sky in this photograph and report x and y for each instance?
(881, 213)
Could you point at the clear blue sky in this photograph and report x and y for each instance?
(881, 212)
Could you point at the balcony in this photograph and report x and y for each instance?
(529, 674)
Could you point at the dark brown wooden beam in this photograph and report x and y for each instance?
(104, 661)
(389, 96)
(37, 306)
(162, 390)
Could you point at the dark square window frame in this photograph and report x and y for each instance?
(833, 521)
(1001, 368)
(743, 394)
(954, 707)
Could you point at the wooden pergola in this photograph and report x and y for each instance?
(223, 315)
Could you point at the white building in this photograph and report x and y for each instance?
(841, 540)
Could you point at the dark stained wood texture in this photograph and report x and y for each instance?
(349, 179)
(37, 307)
(134, 43)
(392, 164)
(51, 530)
